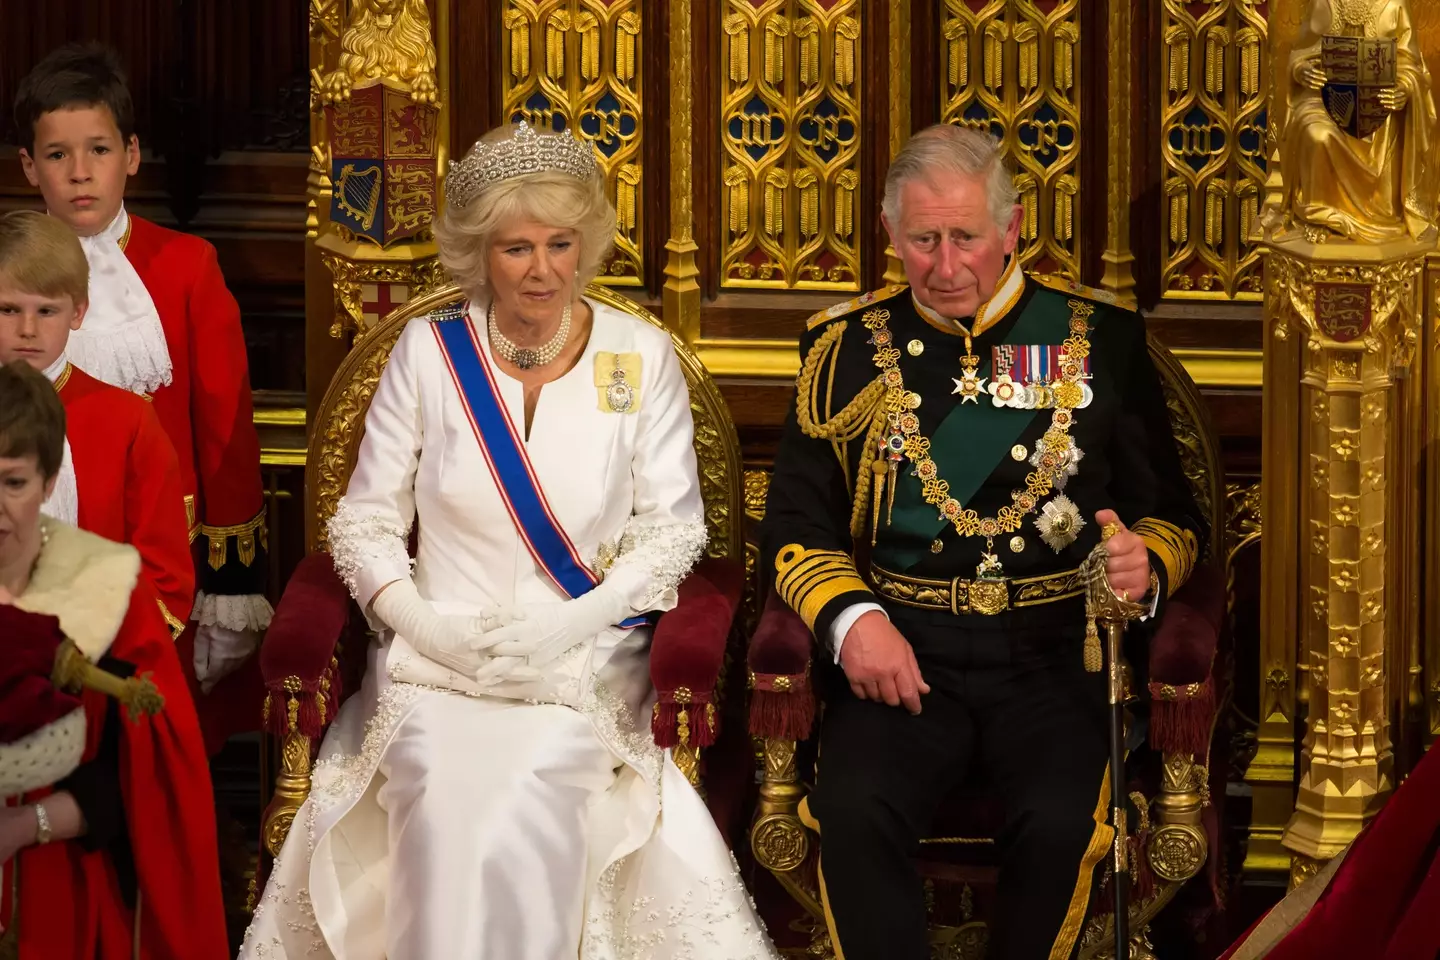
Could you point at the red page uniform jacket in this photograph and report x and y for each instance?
(206, 408)
(128, 485)
(144, 879)
(192, 363)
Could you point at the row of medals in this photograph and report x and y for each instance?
(1059, 521)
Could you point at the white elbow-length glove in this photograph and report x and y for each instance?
(456, 641)
(541, 632)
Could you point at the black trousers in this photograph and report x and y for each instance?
(1010, 694)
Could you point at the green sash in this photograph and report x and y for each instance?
(967, 446)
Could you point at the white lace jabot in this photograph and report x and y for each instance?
(121, 341)
(63, 503)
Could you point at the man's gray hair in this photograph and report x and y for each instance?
(946, 148)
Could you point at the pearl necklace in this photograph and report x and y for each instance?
(527, 358)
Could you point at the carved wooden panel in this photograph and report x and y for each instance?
(577, 65)
(1212, 84)
(790, 129)
(1013, 69)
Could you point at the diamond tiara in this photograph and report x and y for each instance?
(524, 152)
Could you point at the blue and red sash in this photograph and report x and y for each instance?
(509, 464)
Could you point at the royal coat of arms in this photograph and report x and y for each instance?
(1343, 311)
(383, 164)
(1356, 70)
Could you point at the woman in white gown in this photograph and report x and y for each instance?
(493, 793)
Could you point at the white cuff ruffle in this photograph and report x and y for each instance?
(249, 611)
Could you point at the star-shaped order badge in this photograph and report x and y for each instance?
(969, 386)
(1059, 522)
(1062, 466)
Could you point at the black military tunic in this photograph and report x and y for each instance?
(967, 482)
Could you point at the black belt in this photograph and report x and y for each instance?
(983, 597)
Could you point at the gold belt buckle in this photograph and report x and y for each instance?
(989, 597)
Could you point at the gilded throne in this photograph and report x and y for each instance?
(1174, 826)
(314, 652)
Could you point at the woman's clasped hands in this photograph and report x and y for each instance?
(539, 633)
(500, 644)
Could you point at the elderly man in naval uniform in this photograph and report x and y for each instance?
(959, 445)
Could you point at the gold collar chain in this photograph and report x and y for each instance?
(905, 437)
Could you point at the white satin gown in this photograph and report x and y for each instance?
(541, 823)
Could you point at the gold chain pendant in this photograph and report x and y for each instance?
(906, 426)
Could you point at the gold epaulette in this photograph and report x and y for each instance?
(1068, 286)
(850, 306)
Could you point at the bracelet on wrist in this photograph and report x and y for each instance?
(42, 825)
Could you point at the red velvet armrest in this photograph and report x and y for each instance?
(782, 700)
(1182, 660)
(688, 650)
(297, 657)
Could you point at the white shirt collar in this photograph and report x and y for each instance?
(992, 311)
(53, 372)
(63, 504)
(122, 341)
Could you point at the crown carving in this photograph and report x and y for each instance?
(524, 152)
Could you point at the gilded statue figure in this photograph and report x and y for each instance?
(1357, 154)
(388, 41)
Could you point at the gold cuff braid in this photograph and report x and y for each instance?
(1177, 549)
(246, 535)
(808, 579)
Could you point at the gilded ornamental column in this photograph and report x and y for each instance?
(1346, 238)
(682, 276)
(899, 36)
(1119, 276)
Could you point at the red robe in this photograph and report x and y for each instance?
(128, 484)
(1379, 900)
(70, 900)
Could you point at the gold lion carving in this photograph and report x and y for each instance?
(386, 41)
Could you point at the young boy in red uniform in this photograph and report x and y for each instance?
(163, 324)
(119, 477)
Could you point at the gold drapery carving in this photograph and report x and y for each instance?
(1029, 98)
(790, 129)
(577, 65)
(1360, 124)
(1214, 148)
